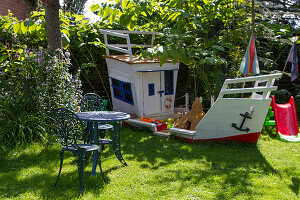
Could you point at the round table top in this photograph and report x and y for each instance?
(102, 116)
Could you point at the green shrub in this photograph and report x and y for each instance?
(33, 84)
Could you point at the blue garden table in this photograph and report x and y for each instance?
(103, 117)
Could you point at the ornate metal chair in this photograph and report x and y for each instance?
(93, 102)
(70, 129)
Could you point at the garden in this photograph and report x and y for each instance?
(209, 38)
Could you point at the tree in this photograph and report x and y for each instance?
(54, 39)
(281, 12)
(34, 4)
(74, 6)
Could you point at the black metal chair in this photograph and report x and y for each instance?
(70, 130)
(93, 102)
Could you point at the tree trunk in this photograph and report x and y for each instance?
(52, 25)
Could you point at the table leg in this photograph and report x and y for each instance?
(96, 141)
(116, 142)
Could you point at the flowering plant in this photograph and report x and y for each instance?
(33, 84)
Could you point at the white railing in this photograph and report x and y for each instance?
(266, 90)
(126, 48)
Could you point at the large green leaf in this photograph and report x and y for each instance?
(94, 7)
(17, 28)
(107, 12)
(124, 4)
(218, 47)
(23, 28)
(65, 40)
(125, 19)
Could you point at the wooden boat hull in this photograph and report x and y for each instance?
(236, 119)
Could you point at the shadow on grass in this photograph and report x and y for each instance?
(269, 131)
(296, 185)
(197, 164)
(36, 172)
(233, 161)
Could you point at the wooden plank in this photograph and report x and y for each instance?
(249, 90)
(117, 49)
(133, 32)
(253, 78)
(132, 45)
(135, 59)
(115, 34)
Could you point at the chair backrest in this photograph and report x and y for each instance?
(69, 127)
(92, 102)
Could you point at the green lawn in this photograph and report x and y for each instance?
(159, 168)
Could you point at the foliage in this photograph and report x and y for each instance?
(33, 84)
(79, 36)
(34, 4)
(159, 168)
(209, 36)
(74, 6)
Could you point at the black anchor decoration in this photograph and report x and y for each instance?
(246, 116)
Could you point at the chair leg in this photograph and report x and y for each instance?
(80, 164)
(99, 163)
(61, 163)
(102, 135)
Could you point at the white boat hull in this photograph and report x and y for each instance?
(237, 119)
(217, 123)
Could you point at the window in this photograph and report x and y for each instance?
(122, 90)
(169, 79)
(151, 89)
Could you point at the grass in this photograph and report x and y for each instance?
(159, 168)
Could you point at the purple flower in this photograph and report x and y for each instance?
(2, 72)
(67, 54)
(38, 60)
(43, 84)
(38, 87)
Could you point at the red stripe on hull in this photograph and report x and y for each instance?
(245, 138)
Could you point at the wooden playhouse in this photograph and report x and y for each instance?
(140, 87)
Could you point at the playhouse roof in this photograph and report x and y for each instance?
(135, 59)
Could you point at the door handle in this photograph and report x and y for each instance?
(161, 92)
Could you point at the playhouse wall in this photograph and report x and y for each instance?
(153, 105)
(133, 73)
(122, 71)
(217, 123)
(138, 82)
